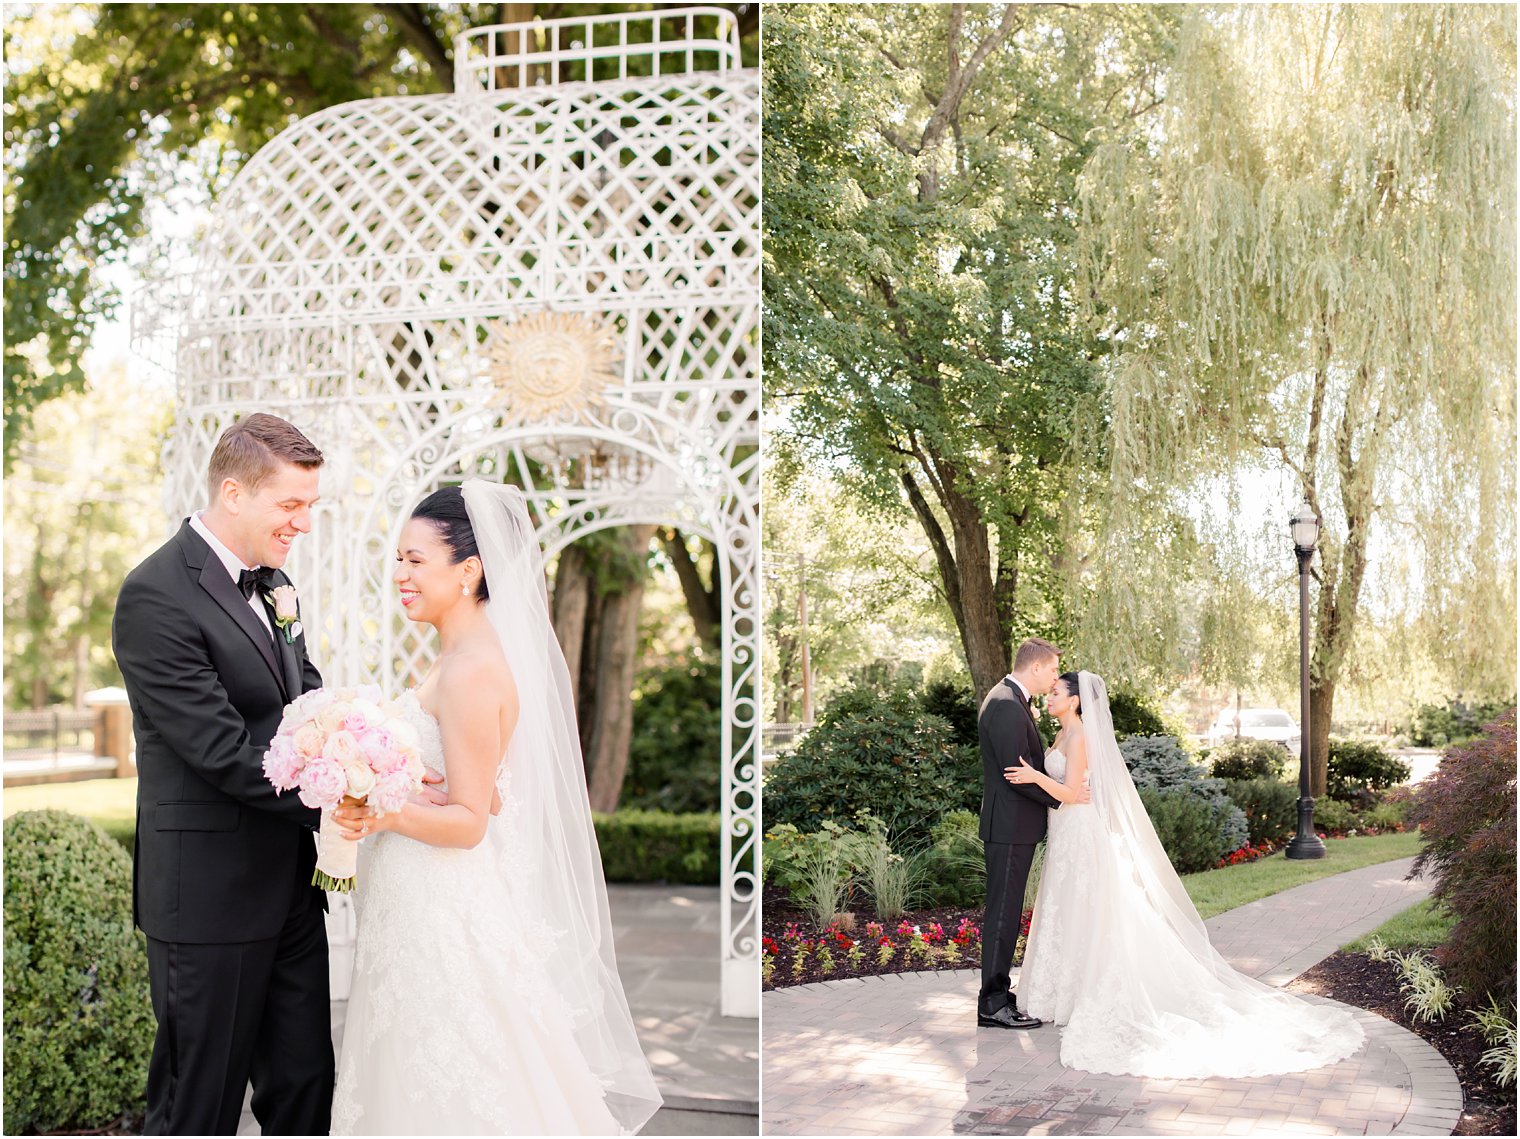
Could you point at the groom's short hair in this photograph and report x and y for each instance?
(1032, 652)
(252, 449)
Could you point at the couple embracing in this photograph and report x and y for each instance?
(1117, 954)
(485, 995)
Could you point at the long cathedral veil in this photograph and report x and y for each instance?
(1118, 805)
(548, 843)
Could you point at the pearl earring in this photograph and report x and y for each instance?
(464, 589)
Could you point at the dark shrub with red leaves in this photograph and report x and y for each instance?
(1466, 812)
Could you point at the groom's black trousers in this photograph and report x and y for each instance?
(228, 1014)
(1007, 872)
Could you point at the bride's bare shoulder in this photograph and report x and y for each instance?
(476, 671)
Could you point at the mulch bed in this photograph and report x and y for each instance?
(1356, 979)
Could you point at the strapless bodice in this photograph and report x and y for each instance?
(409, 704)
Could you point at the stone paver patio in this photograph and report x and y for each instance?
(707, 1065)
(901, 1054)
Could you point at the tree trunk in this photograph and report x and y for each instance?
(1321, 706)
(615, 659)
(572, 594)
(964, 558)
(701, 598)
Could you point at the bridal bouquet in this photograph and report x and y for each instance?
(334, 742)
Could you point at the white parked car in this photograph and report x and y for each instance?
(1257, 724)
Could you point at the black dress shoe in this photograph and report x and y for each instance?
(1008, 1016)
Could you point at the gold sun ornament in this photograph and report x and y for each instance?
(552, 363)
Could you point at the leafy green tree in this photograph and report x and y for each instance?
(108, 106)
(871, 593)
(921, 337)
(81, 508)
(1311, 264)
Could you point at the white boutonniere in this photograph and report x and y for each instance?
(287, 613)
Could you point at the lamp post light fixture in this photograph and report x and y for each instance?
(1305, 528)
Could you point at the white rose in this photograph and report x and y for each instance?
(414, 766)
(284, 598)
(308, 740)
(406, 735)
(342, 747)
(330, 718)
(361, 780)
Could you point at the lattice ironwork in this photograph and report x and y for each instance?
(356, 272)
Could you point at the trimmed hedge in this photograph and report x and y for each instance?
(654, 846)
(1359, 766)
(78, 1019)
(1270, 806)
(1248, 759)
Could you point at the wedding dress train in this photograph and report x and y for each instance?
(1118, 956)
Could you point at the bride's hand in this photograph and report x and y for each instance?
(1023, 773)
(360, 821)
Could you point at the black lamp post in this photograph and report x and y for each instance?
(1305, 525)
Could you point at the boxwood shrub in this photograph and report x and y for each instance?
(78, 1020)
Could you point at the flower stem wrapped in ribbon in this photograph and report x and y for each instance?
(334, 742)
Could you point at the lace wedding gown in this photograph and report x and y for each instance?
(1134, 996)
(454, 1026)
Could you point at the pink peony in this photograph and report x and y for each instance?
(392, 791)
(379, 745)
(323, 784)
(282, 765)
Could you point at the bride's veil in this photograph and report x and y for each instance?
(1144, 872)
(1118, 805)
(549, 845)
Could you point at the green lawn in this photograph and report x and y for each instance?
(1423, 925)
(1215, 891)
(110, 802)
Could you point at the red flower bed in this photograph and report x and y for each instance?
(795, 952)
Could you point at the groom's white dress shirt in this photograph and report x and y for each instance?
(1024, 691)
(234, 566)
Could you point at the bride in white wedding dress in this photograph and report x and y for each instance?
(485, 995)
(1118, 955)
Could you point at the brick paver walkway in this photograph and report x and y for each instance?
(901, 1054)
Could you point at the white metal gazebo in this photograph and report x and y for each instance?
(551, 277)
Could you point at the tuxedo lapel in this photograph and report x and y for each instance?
(1018, 698)
(1029, 719)
(218, 583)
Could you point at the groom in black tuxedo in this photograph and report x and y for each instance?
(1013, 820)
(237, 943)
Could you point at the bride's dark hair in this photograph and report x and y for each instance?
(1074, 687)
(445, 509)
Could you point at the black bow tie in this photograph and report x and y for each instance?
(250, 581)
